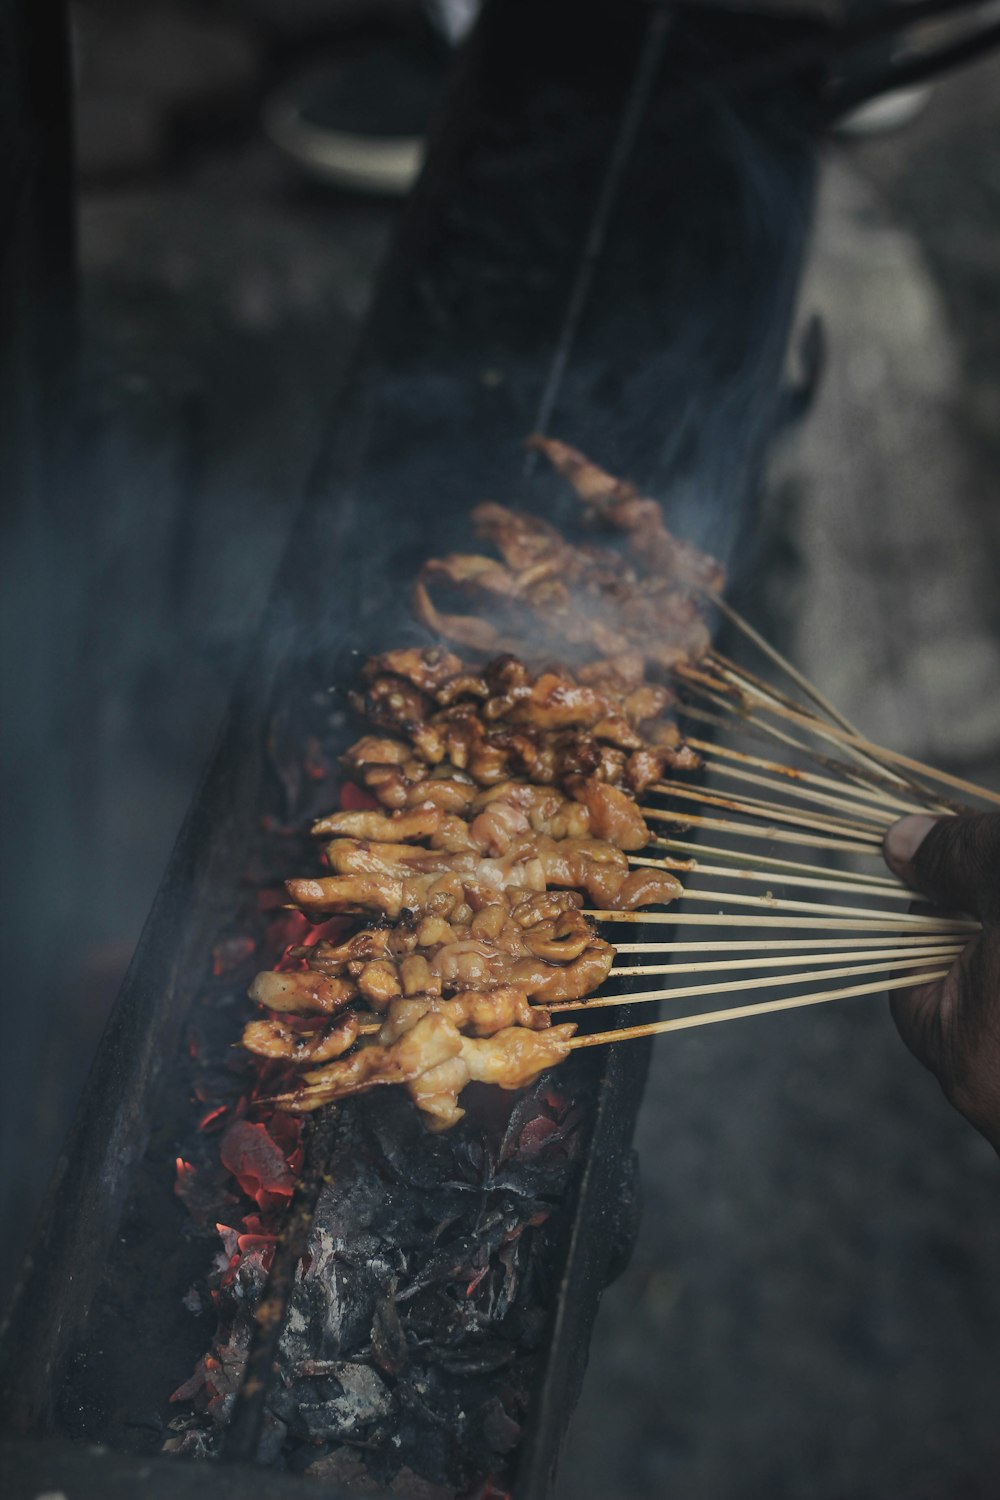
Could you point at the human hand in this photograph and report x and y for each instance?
(953, 1024)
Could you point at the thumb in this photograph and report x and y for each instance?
(953, 861)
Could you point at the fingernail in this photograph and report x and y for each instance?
(905, 837)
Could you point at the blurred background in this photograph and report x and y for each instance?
(814, 1306)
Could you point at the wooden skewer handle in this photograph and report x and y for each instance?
(740, 1012)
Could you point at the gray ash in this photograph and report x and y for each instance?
(419, 1306)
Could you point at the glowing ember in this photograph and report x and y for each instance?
(257, 1162)
(354, 799)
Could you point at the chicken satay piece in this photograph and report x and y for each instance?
(573, 981)
(526, 543)
(590, 865)
(530, 907)
(360, 948)
(548, 963)
(415, 867)
(275, 1039)
(431, 1041)
(418, 895)
(351, 894)
(302, 990)
(443, 830)
(511, 1058)
(647, 887)
(511, 808)
(392, 703)
(556, 701)
(366, 857)
(401, 827)
(613, 816)
(427, 667)
(514, 1057)
(379, 983)
(462, 572)
(435, 1093)
(377, 750)
(478, 1012)
(620, 504)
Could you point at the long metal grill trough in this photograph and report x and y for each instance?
(605, 243)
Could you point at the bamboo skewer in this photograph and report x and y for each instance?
(777, 960)
(747, 682)
(760, 728)
(778, 903)
(777, 811)
(894, 757)
(739, 1012)
(862, 923)
(740, 717)
(797, 777)
(872, 963)
(871, 811)
(740, 856)
(777, 702)
(875, 962)
(734, 673)
(727, 986)
(765, 877)
(779, 835)
(774, 655)
(731, 672)
(782, 945)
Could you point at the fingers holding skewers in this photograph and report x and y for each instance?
(953, 1023)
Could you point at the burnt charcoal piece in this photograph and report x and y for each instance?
(350, 1402)
(422, 1292)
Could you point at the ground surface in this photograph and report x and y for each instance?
(813, 1310)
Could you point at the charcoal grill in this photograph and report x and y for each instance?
(606, 244)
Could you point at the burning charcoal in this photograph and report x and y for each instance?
(257, 1163)
(389, 1347)
(347, 1404)
(346, 1270)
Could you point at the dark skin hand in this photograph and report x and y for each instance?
(953, 1024)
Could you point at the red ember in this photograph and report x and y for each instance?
(354, 799)
(257, 1162)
